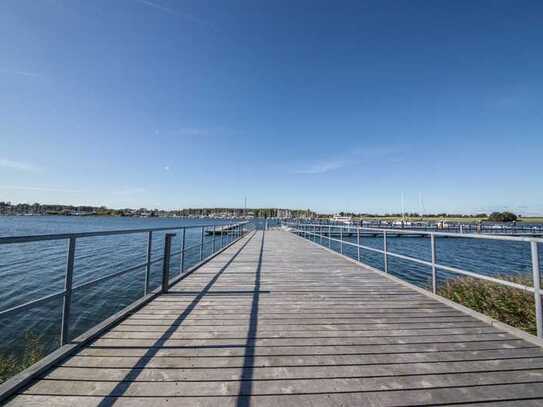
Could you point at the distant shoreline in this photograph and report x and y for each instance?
(376, 218)
(456, 219)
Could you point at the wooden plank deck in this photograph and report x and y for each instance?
(277, 321)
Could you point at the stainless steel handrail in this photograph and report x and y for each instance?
(236, 229)
(63, 236)
(305, 229)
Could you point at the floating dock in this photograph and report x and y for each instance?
(219, 230)
(275, 320)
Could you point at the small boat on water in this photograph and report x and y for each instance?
(347, 220)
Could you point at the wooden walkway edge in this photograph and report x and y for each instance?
(275, 320)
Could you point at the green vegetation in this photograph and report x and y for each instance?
(12, 364)
(512, 306)
(424, 218)
(445, 217)
(502, 217)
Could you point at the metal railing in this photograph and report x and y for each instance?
(327, 231)
(448, 227)
(231, 230)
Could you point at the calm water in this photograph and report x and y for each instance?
(33, 270)
(488, 257)
(30, 271)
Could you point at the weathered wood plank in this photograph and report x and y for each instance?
(280, 386)
(297, 372)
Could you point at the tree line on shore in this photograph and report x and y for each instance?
(493, 217)
(7, 208)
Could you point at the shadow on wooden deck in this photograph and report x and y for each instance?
(123, 385)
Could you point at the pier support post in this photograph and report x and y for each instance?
(183, 250)
(166, 262)
(320, 233)
(434, 272)
(537, 289)
(67, 302)
(202, 244)
(385, 251)
(358, 243)
(213, 241)
(148, 263)
(341, 239)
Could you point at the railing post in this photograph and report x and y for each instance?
(183, 250)
(68, 283)
(202, 244)
(148, 265)
(358, 243)
(166, 262)
(329, 236)
(434, 272)
(222, 236)
(385, 250)
(213, 241)
(537, 289)
(341, 239)
(320, 234)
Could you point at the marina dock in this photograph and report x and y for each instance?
(219, 230)
(276, 320)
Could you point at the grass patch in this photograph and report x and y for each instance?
(12, 364)
(506, 304)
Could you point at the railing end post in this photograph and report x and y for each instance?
(434, 270)
(166, 262)
(537, 288)
(67, 301)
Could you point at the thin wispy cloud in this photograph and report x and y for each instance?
(17, 165)
(170, 11)
(21, 73)
(355, 156)
(322, 167)
(40, 189)
(156, 6)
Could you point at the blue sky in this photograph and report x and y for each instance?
(332, 105)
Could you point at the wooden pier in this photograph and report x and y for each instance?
(275, 320)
